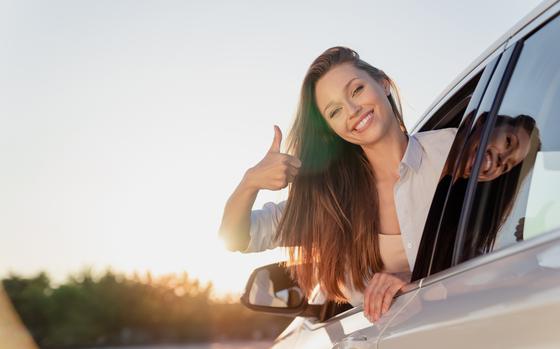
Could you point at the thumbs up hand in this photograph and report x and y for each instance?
(275, 170)
(277, 141)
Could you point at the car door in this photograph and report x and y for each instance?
(492, 237)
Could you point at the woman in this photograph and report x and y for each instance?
(350, 162)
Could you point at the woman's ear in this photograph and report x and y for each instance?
(387, 87)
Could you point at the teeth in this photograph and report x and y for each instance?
(363, 122)
(488, 163)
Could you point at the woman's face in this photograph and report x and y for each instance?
(354, 104)
(507, 147)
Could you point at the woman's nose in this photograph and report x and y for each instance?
(353, 109)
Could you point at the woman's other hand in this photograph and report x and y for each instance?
(275, 170)
(379, 293)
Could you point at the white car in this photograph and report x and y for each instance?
(487, 274)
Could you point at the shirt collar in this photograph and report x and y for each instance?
(413, 154)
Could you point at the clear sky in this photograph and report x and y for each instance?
(125, 125)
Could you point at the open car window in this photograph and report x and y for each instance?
(456, 112)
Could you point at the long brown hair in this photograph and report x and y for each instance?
(330, 224)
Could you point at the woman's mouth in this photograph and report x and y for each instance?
(366, 120)
(485, 167)
(490, 167)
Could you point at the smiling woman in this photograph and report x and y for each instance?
(359, 189)
(364, 87)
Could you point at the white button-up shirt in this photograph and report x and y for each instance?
(419, 170)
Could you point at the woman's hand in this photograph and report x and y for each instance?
(379, 293)
(275, 170)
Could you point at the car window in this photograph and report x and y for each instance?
(451, 113)
(466, 108)
(517, 184)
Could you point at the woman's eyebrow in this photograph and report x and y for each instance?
(345, 87)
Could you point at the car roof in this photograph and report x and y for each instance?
(522, 23)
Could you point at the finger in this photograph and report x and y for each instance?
(367, 295)
(290, 160)
(369, 298)
(396, 286)
(378, 300)
(276, 142)
(378, 291)
(294, 161)
(292, 171)
(388, 298)
(281, 183)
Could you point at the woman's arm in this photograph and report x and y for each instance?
(273, 172)
(236, 219)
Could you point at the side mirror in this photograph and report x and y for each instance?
(271, 289)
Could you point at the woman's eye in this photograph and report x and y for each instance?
(334, 112)
(357, 90)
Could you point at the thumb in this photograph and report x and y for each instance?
(275, 147)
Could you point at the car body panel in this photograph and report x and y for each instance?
(541, 14)
(308, 333)
(506, 302)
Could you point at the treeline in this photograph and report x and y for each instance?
(114, 309)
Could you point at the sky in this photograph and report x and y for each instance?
(125, 125)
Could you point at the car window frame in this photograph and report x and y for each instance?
(427, 248)
(468, 202)
(487, 100)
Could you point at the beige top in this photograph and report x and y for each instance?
(393, 254)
